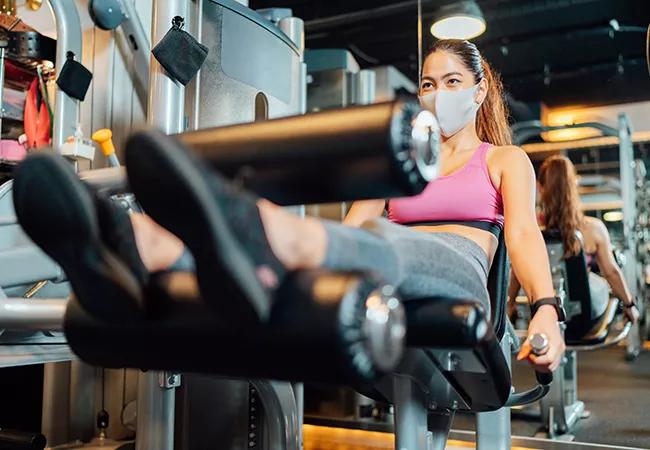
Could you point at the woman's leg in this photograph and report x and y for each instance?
(298, 243)
(157, 247)
(420, 264)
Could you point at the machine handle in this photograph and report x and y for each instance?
(104, 138)
(527, 397)
(539, 345)
(544, 379)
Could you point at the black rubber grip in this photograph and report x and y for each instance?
(544, 378)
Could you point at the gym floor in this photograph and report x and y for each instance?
(616, 392)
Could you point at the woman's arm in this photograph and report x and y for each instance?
(363, 210)
(514, 286)
(609, 269)
(513, 290)
(527, 252)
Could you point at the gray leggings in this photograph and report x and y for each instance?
(420, 264)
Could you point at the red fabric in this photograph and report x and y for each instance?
(37, 119)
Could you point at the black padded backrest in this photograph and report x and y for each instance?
(577, 288)
(498, 287)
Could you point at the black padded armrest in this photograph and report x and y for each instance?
(323, 328)
(458, 344)
(497, 285)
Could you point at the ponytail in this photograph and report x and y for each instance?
(560, 201)
(492, 118)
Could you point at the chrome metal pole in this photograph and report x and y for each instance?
(166, 95)
(165, 111)
(32, 314)
(68, 38)
(626, 159)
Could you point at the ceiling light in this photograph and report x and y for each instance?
(613, 216)
(458, 20)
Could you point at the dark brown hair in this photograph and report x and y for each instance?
(560, 201)
(492, 118)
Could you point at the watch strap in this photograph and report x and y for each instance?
(553, 301)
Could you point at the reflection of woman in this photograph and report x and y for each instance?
(561, 211)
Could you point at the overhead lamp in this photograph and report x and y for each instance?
(458, 20)
(613, 216)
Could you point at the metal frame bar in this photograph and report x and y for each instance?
(166, 96)
(411, 414)
(28, 314)
(626, 158)
(156, 407)
(493, 429)
(138, 42)
(156, 400)
(560, 410)
(68, 38)
(68, 390)
(522, 131)
(299, 393)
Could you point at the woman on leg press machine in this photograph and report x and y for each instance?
(436, 245)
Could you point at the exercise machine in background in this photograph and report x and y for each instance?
(561, 411)
(619, 195)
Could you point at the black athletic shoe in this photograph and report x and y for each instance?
(57, 212)
(169, 183)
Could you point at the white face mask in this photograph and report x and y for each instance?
(453, 109)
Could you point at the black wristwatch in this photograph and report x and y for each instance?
(556, 302)
(631, 305)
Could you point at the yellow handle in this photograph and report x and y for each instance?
(104, 138)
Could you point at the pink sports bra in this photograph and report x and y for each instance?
(466, 195)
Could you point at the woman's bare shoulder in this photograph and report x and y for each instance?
(594, 227)
(507, 150)
(508, 158)
(593, 222)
